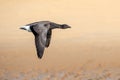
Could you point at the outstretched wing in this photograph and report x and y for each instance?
(40, 45)
(40, 39)
(49, 33)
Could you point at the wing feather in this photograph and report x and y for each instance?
(49, 33)
(40, 39)
(39, 46)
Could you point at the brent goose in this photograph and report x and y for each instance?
(42, 31)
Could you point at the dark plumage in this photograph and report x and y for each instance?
(42, 31)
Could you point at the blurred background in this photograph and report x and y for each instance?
(93, 41)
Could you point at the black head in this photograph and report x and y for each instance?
(61, 26)
(65, 26)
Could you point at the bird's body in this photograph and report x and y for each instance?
(42, 31)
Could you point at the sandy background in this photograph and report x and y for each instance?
(93, 42)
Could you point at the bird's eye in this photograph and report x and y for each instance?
(45, 24)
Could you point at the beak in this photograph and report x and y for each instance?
(65, 26)
(68, 27)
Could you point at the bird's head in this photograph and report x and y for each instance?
(61, 26)
(27, 28)
(65, 26)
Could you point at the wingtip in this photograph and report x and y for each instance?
(39, 57)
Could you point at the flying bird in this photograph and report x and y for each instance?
(42, 32)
